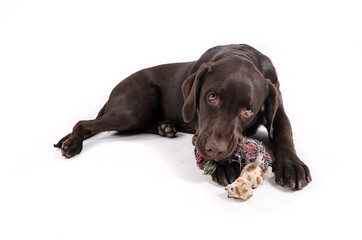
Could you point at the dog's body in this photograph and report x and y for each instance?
(224, 95)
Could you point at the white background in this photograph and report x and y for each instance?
(59, 60)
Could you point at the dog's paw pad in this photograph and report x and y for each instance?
(167, 130)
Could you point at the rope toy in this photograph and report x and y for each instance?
(255, 164)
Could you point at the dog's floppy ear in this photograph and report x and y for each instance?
(190, 89)
(271, 107)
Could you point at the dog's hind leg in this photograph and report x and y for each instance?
(60, 142)
(122, 121)
(73, 144)
(135, 109)
(164, 129)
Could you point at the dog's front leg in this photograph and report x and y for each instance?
(290, 171)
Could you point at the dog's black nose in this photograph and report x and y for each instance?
(216, 149)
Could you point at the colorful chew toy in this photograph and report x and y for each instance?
(255, 162)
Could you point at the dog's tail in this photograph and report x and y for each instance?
(60, 143)
(101, 112)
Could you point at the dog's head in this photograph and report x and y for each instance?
(228, 96)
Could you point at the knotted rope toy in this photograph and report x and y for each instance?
(255, 163)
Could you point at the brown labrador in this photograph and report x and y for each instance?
(220, 98)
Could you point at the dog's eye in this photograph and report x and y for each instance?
(247, 111)
(212, 97)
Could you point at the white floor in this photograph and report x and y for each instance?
(59, 62)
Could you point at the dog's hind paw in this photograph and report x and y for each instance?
(72, 146)
(166, 130)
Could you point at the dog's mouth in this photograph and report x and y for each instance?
(194, 139)
(225, 158)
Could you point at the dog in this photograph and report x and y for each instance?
(226, 94)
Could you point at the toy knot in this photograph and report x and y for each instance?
(246, 152)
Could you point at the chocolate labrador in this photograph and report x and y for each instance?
(220, 98)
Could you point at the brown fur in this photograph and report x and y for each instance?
(172, 97)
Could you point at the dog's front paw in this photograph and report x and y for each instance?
(166, 130)
(226, 173)
(72, 146)
(291, 172)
